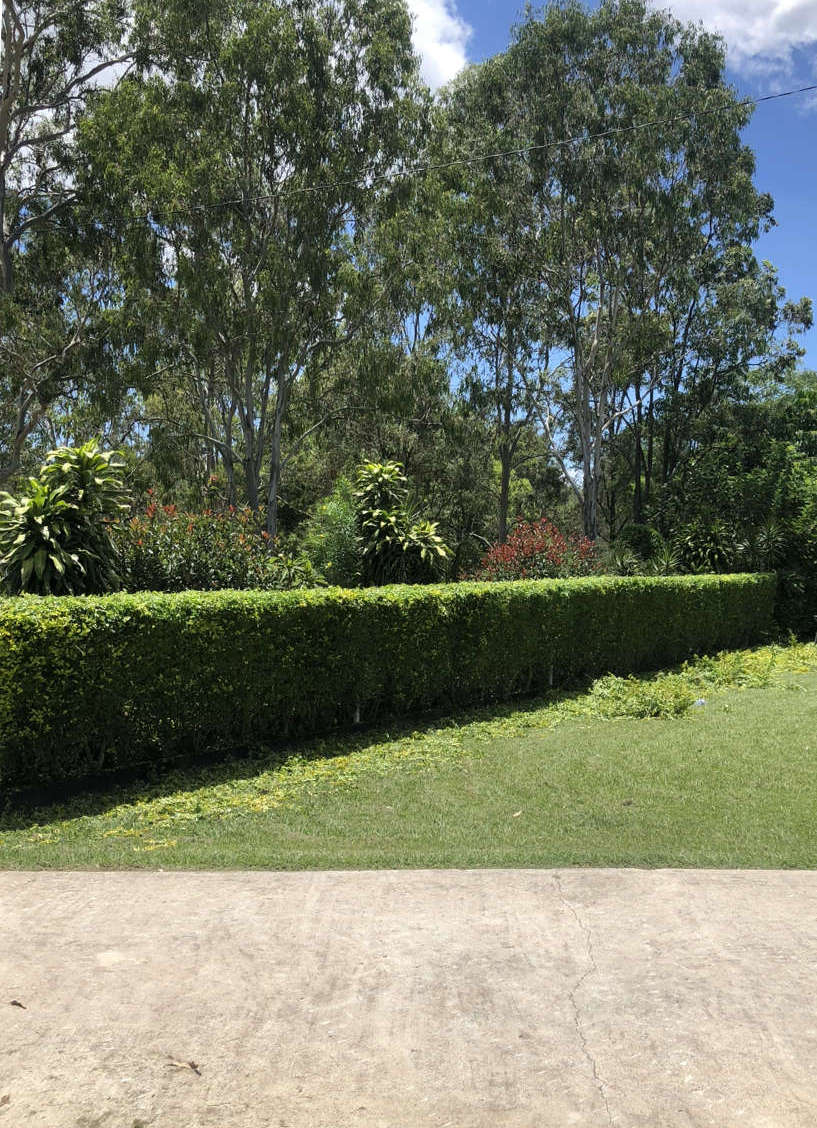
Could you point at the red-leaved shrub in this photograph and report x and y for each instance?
(165, 550)
(537, 550)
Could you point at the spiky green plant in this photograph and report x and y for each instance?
(763, 547)
(55, 539)
(664, 560)
(398, 546)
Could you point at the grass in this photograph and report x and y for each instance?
(709, 765)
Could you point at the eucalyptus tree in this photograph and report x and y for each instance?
(53, 281)
(238, 173)
(493, 298)
(625, 213)
(651, 211)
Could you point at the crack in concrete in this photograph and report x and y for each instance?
(591, 969)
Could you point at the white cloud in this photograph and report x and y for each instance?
(440, 36)
(762, 34)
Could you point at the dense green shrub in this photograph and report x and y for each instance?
(797, 571)
(96, 683)
(165, 550)
(330, 539)
(56, 538)
(620, 560)
(665, 559)
(706, 546)
(369, 533)
(662, 559)
(640, 539)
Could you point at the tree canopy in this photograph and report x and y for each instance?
(245, 244)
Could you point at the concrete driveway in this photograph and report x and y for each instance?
(467, 999)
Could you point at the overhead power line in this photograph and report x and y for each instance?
(423, 168)
(367, 181)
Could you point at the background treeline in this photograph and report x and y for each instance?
(243, 244)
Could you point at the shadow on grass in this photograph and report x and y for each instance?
(90, 796)
(94, 795)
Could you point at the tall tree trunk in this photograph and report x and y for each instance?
(590, 485)
(250, 475)
(638, 498)
(229, 468)
(6, 269)
(245, 403)
(504, 491)
(275, 462)
(650, 445)
(590, 506)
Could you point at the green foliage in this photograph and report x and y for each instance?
(284, 572)
(658, 557)
(57, 346)
(97, 683)
(165, 550)
(714, 546)
(664, 561)
(369, 533)
(398, 545)
(622, 561)
(541, 240)
(424, 551)
(642, 540)
(745, 498)
(380, 486)
(706, 546)
(33, 531)
(667, 696)
(148, 815)
(764, 547)
(797, 571)
(257, 101)
(330, 540)
(57, 538)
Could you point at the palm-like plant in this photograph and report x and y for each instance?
(398, 547)
(34, 533)
(56, 538)
(622, 561)
(664, 560)
(706, 546)
(764, 547)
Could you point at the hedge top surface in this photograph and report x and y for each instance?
(38, 607)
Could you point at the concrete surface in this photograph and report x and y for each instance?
(525, 999)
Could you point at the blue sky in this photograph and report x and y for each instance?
(772, 46)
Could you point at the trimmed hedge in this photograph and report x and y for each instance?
(95, 683)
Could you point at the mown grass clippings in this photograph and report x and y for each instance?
(131, 824)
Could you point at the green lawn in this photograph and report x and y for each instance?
(583, 779)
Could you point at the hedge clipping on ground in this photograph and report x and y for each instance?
(90, 684)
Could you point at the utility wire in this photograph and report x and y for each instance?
(421, 169)
(366, 182)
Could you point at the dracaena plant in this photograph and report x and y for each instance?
(398, 546)
(55, 539)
